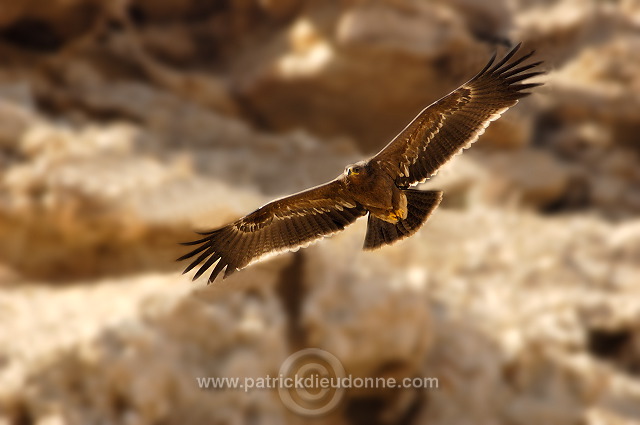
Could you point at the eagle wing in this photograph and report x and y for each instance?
(446, 127)
(281, 225)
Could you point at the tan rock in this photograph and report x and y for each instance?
(533, 176)
(353, 63)
(372, 319)
(17, 114)
(113, 148)
(146, 380)
(607, 191)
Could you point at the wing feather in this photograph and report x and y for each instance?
(282, 225)
(454, 122)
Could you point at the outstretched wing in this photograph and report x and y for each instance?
(454, 122)
(282, 225)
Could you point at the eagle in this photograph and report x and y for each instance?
(379, 187)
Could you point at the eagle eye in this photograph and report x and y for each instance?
(353, 170)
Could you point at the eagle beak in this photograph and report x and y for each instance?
(350, 171)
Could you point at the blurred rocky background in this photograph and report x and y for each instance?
(127, 124)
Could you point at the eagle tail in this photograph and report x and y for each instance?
(420, 205)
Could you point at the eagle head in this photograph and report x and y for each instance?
(357, 169)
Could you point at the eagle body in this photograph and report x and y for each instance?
(375, 188)
(379, 187)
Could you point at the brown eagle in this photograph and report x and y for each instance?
(379, 186)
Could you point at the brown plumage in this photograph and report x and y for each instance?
(378, 186)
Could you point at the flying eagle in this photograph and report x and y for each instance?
(379, 186)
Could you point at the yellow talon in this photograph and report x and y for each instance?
(396, 215)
